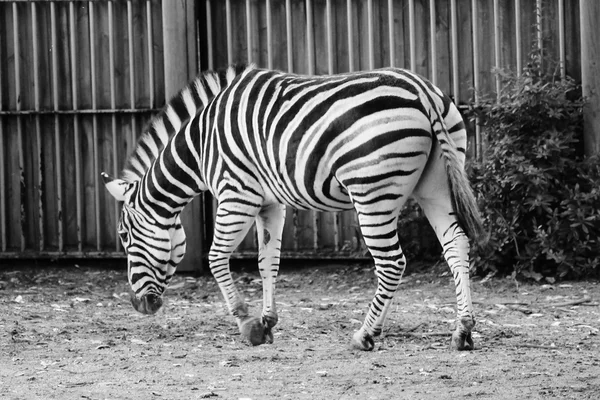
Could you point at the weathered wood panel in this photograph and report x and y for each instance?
(79, 80)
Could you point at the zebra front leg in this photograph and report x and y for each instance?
(232, 222)
(269, 226)
(455, 245)
(381, 237)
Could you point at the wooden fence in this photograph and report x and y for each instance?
(79, 80)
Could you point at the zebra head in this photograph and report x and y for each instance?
(153, 249)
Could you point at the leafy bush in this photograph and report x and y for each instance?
(539, 196)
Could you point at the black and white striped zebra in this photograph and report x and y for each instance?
(267, 139)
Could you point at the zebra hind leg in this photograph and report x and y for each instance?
(232, 223)
(379, 229)
(269, 225)
(455, 245)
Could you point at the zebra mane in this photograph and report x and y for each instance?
(175, 115)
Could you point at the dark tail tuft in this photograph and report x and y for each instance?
(464, 202)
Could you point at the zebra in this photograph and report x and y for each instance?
(262, 140)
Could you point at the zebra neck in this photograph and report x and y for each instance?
(173, 180)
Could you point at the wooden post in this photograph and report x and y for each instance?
(590, 78)
(179, 38)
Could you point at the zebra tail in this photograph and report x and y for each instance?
(463, 198)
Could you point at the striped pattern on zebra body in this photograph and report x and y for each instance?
(264, 139)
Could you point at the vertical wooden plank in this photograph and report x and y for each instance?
(370, 35)
(329, 34)
(315, 230)
(269, 35)
(18, 94)
(319, 32)
(454, 51)
(299, 39)
(132, 68)
(350, 35)
(295, 230)
(443, 55)
(95, 156)
(497, 44)
(57, 137)
(310, 41)
(191, 26)
(38, 136)
(590, 64)
(528, 27)
(412, 36)
(76, 131)
(248, 32)
(104, 87)
(150, 41)
(3, 187)
(336, 231)
(209, 36)
(538, 25)
(573, 39)
(255, 28)
(288, 34)
(421, 21)
(46, 137)
(29, 196)
(507, 22)
(228, 31)
(476, 88)
(276, 20)
(83, 137)
(391, 33)
(561, 38)
(113, 105)
(433, 41)
(518, 25)
(465, 50)
(175, 43)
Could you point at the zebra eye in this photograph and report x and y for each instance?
(124, 235)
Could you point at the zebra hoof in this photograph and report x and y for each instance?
(254, 331)
(462, 341)
(363, 341)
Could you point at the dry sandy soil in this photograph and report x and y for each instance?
(70, 333)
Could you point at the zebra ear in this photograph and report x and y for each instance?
(117, 187)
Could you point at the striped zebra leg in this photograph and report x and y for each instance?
(455, 246)
(269, 225)
(232, 222)
(379, 230)
(433, 195)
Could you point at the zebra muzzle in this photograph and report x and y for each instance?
(148, 304)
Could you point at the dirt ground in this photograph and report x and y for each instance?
(71, 333)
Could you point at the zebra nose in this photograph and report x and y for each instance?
(153, 302)
(148, 304)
